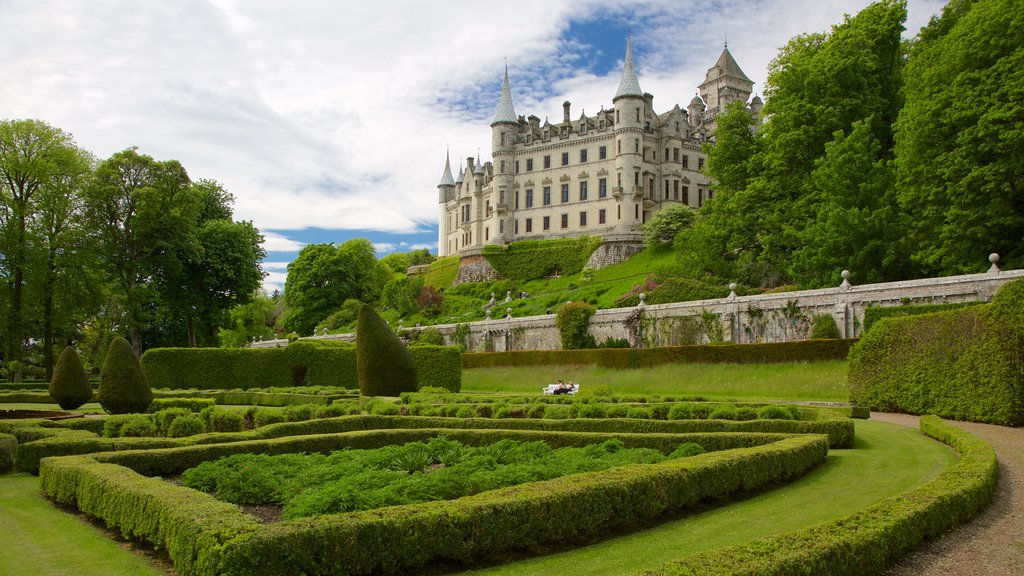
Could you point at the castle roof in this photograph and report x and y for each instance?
(729, 66)
(446, 178)
(505, 112)
(461, 177)
(628, 85)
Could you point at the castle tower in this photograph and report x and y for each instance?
(725, 82)
(504, 132)
(445, 194)
(630, 114)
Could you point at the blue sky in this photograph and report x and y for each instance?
(330, 120)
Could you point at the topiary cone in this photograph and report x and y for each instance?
(385, 366)
(123, 386)
(69, 386)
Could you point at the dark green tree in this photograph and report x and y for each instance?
(123, 386)
(667, 223)
(385, 366)
(960, 138)
(69, 386)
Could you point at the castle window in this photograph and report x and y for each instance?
(675, 189)
(501, 226)
(516, 231)
(565, 221)
(686, 194)
(565, 158)
(529, 198)
(565, 193)
(600, 124)
(675, 155)
(501, 198)
(677, 126)
(583, 156)
(636, 146)
(686, 161)
(619, 146)
(502, 138)
(529, 225)
(619, 212)
(583, 219)
(616, 116)
(637, 115)
(517, 166)
(487, 234)
(666, 189)
(602, 188)
(529, 164)
(602, 152)
(547, 222)
(516, 207)
(666, 153)
(654, 154)
(700, 163)
(547, 195)
(601, 216)
(636, 211)
(636, 178)
(547, 161)
(583, 191)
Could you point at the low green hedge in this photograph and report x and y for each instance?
(872, 539)
(876, 313)
(766, 353)
(190, 404)
(203, 536)
(252, 398)
(301, 363)
(963, 364)
(8, 449)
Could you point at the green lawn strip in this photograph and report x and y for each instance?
(887, 460)
(42, 540)
(812, 381)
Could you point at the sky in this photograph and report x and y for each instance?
(330, 120)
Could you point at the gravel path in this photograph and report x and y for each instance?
(992, 544)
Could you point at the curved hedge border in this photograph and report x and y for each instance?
(765, 353)
(8, 448)
(874, 538)
(204, 536)
(37, 442)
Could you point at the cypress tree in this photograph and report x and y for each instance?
(69, 386)
(123, 386)
(386, 368)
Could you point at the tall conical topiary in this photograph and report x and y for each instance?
(123, 386)
(386, 367)
(69, 385)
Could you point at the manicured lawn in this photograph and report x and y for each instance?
(818, 381)
(41, 540)
(887, 460)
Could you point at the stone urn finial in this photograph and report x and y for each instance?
(994, 259)
(509, 312)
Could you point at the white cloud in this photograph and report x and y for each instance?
(277, 243)
(326, 114)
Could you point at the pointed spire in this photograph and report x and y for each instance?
(446, 178)
(462, 176)
(727, 64)
(628, 85)
(505, 112)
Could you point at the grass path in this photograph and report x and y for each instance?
(886, 460)
(41, 540)
(815, 381)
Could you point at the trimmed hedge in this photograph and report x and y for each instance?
(870, 540)
(8, 449)
(302, 363)
(385, 366)
(532, 259)
(766, 353)
(203, 536)
(190, 404)
(965, 364)
(70, 386)
(875, 313)
(123, 386)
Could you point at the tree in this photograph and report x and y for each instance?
(323, 276)
(254, 319)
(35, 159)
(146, 213)
(960, 138)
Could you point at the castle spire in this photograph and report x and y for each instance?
(628, 85)
(446, 178)
(505, 112)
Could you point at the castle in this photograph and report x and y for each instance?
(601, 175)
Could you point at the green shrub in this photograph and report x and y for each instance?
(164, 418)
(69, 386)
(438, 367)
(189, 404)
(220, 420)
(186, 425)
(266, 416)
(680, 412)
(773, 413)
(431, 335)
(532, 259)
(610, 342)
(824, 328)
(875, 313)
(386, 368)
(573, 323)
(123, 386)
(723, 412)
(638, 412)
(299, 412)
(8, 449)
(963, 364)
(129, 425)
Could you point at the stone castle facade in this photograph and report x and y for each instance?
(602, 175)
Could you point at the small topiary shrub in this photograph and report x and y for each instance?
(431, 336)
(686, 450)
(138, 426)
(186, 425)
(123, 386)
(639, 412)
(69, 385)
(264, 416)
(220, 420)
(299, 412)
(824, 328)
(386, 368)
(164, 418)
(679, 412)
(723, 413)
(573, 321)
(773, 413)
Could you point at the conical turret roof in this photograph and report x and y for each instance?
(628, 85)
(505, 112)
(446, 178)
(729, 66)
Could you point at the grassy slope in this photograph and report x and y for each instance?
(40, 540)
(820, 381)
(887, 459)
